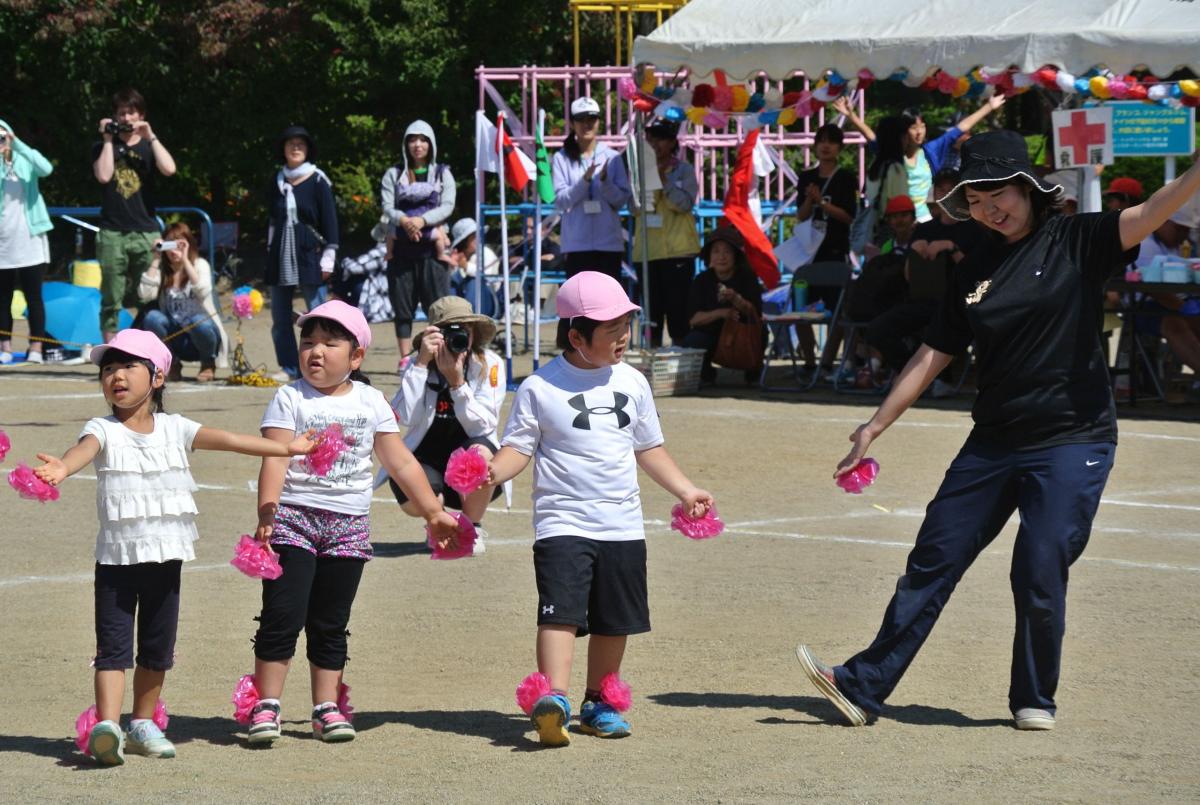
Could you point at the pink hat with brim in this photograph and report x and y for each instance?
(140, 344)
(346, 315)
(593, 295)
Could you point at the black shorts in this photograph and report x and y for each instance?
(147, 592)
(595, 585)
(435, 473)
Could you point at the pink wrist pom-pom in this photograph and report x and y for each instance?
(255, 559)
(5, 445)
(343, 702)
(466, 471)
(696, 527)
(859, 478)
(331, 443)
(83, 727)
(532, 688)
(29, 486)
(245, 696)
(466, 540)
(615, 692)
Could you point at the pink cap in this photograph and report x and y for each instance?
(140, 344)
(593, 295)
(346, 315)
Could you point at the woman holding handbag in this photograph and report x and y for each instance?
(725, 308)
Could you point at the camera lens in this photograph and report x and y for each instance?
(458, 338)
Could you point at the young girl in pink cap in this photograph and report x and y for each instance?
(588, 421)
(147, 526)
(319, 523)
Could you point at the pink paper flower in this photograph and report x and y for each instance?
(255, 559)
(245, 696)
(29, 486)
(331, 443)
(5, 445)
(466, 471)
(343, 702)
(466, 540)
(696, 527)
(243, 306)
(859, 478)
(615, 692)
(532, 688)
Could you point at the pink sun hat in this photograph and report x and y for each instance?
(593, 295)
(140, 344)
(346, 315)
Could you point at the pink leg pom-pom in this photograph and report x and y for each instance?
(83, 727)
(532, 688)
(160, 717)
(331, 443)
(343, 702)
(256, 559)
(245, 696)
(859, 478)
(466, 540)
(697, 527)
(466, 471)
(29, 486)
(5, 445)
(615, 692)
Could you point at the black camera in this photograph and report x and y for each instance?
(458, 338)
(114, 128)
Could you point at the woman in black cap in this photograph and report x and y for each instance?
(302, 241)
(1045, 423)
(727, 288)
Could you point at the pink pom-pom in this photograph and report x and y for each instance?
(331, 443)
(5, 445)
(723, 99)
(88, 719)
(256, 559)
(703, 527)
(627, 88)
(466, 471)
(615, 692)
(29, 486)
(466, 540)
(243, 306)
(532, 688)
(245, 696)
(859, 478)
(160, 717)
(1132, 275)
(343, 701)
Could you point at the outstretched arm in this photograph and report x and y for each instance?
(406, 471)
(214, 439)
(56, 470)
(843, 106)
(1139, 222)
(986, 108)
(659, 465)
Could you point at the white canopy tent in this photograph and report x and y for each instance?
(778, 37)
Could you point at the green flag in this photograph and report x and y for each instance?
(545, 182)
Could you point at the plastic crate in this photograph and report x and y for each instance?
(671, 372)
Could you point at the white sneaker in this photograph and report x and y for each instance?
(479, 547)
(34, 357)
(6, 358)
(1033, 718)
(106, 744)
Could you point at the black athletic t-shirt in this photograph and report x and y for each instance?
(1033, 310)
(127, 203)
(841, 192)
(966, 235)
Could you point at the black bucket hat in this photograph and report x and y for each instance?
(993, 156)
(296, 131)
(730, 235)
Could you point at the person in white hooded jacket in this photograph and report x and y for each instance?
(450, 397)
(417, 196)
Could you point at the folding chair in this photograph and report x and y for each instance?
(824, 278)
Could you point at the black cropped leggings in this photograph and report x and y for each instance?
(29, 279)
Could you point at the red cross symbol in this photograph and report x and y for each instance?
(1080, 134)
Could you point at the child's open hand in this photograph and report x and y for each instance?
(444, 530)
(53, 471)
(696, 502)
(303, 444)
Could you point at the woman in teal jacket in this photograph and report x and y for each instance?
(24, 247)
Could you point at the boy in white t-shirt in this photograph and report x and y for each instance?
(588, 421)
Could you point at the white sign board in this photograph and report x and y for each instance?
(1083, 137)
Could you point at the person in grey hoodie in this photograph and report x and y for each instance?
(417, 196)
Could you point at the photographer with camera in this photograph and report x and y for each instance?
(450, 397)
(24, 247)
(124, 163)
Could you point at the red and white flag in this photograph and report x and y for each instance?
(519, 168)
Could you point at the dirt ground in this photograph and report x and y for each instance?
(722, 711)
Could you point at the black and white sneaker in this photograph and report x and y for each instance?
(330, 724)
(264, 723)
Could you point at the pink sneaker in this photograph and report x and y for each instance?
(330, 724)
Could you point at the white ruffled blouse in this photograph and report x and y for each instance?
(144, 490)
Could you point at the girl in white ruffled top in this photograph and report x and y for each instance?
(147, 526)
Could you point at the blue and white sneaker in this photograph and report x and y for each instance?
(551, 715)
(145, 738)
(602, 720)
(106, 744)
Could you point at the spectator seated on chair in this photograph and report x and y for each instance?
(1182, 331)
(362, 281)
(727, 287)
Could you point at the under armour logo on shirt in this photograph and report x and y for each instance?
(548, 609)
(583, 421)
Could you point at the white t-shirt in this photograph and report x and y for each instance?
(144, 490)
(582, 427)
(18, 248)
(362, 413)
